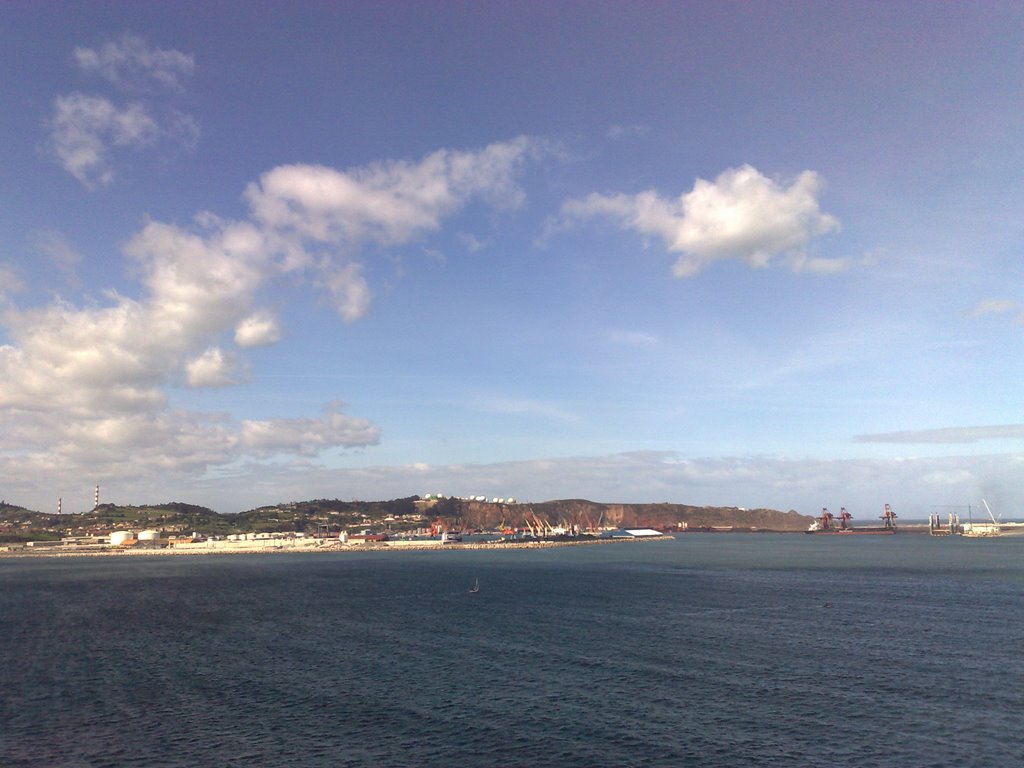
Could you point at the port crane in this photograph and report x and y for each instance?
(825, 519)
(844, 519)
(990, 515)
(543, 527)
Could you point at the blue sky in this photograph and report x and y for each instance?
(751, 254)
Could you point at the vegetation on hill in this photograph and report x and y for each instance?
(310, 516)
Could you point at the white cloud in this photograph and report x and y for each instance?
(85, 128)
(258, 330)
(96, 377)
(350, 294)
(131, 63)
(948, 435)
(86, 131)
(211, 369)
(200, 281)
(390, 202)
(84, 389)
(321, 216)
(81, 362)
(308, 436)
(741, 215)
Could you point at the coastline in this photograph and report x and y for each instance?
(314, 546)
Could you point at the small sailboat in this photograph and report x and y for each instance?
(476, 587)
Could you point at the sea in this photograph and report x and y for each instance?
(706, 650)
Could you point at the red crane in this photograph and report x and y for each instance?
(889, 517)
(825, 519)
(844, 519)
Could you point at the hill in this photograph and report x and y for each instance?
(586, 514)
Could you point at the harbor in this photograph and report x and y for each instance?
(148, 545)
(954, 524)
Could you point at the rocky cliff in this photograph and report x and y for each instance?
(589, 514)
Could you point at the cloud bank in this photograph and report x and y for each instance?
(949, 435)
(911, 486)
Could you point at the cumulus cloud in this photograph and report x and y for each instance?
(85, 389)
(258, 330)
(350, 294)
(740, 215)
(212, 368)
(320, 216)
(84, 129)
(87, 131)
(389, 203)
(131, 63)
(81, 361)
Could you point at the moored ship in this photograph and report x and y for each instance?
(828, 524)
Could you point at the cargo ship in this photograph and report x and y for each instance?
(828, 524)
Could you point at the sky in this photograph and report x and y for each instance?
(750, 254)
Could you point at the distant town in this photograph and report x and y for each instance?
(432, 516)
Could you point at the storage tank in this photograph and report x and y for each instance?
(149, 535)
(118, 538)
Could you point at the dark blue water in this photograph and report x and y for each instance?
(713, 650)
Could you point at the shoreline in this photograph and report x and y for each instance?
(302, 546)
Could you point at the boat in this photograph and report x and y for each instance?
(475, 588)
(826, 524)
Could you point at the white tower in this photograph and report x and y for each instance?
(96, 498)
